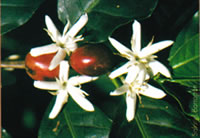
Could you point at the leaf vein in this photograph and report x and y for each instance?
(182, 46)
(168, 126)
(185, 62)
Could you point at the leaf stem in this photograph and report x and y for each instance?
(69, 124)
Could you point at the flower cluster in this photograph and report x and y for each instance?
(140, 67)
(63, 45)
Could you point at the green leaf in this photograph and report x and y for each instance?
(154, 118)
(106, 82)
(184, 55)
(16, 12)
(101, 94)
(104, 15)
(75, 122)
(195, 107)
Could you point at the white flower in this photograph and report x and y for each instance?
(66, 87)
(140, 59)
(140, 67)
(134, 88)
(63, 44)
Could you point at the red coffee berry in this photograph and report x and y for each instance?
(37, 67)
(92, 60)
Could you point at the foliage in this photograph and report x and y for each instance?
(176, 115)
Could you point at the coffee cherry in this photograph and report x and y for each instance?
(37, 67)
(92, 60)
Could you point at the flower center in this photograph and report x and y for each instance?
(60, 44)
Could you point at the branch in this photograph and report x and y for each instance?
(13, 64)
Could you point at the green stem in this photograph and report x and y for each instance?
(115, 82)
(69, 124)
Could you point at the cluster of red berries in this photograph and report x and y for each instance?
(90, 59)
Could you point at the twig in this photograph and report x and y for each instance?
(13, 64)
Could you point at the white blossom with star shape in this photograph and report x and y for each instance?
(140, 67)
(62, 44)
(142, 58)
(133, 87)
(64, 87)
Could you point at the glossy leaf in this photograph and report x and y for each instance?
(195, 106)
(184, 55)
(104, 79)
(104, 15)
(101, 93)
(75, 122)
(154, 118)
(15, 13)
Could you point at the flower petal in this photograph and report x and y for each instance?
(80, 99)
(60, 55)
(120, 71)
(66, 28)
(147, 76)
(78, 26)
(51, 29)
(121, 90)
(61, 99)
(46, 85)
(119, 47)
(141, 76)
(64, 71)
(132, 74)
(152, 92)
(51, 48)
(77, 80)
(136, 37)
(71, 47)
(157, 67)
(150, 50)
(131, 106)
